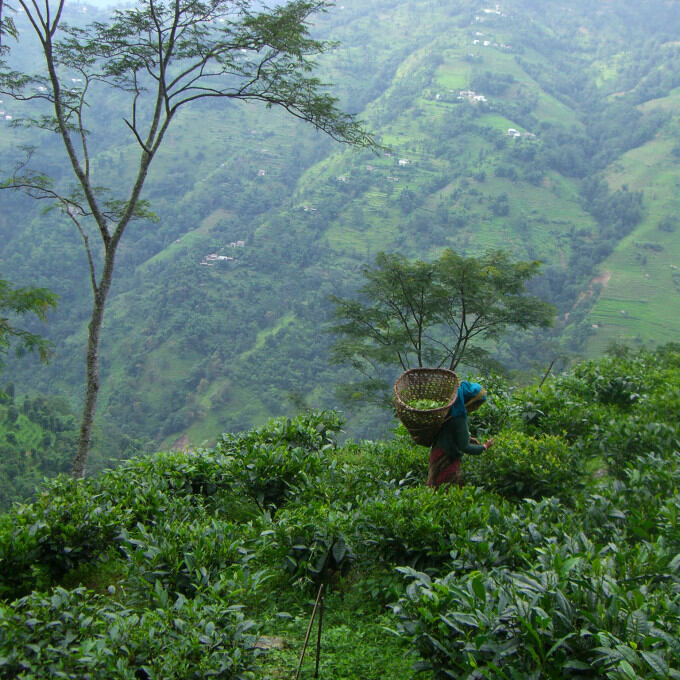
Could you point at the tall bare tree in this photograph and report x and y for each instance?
(164, 55)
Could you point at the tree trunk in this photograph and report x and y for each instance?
(92, 367)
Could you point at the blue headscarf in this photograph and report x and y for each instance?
(468, 393)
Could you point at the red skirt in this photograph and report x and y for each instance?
(442, 470)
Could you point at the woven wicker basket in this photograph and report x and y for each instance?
(438, 384)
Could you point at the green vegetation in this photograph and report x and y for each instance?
(36, 441)
(418, 314)
(558, 558)
(425, 404)
(592, 90)
(19, 302)
(189, 53)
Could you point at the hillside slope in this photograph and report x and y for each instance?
(559, 558)
(544, 129)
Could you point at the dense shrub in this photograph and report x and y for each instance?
(498, 410)
(566, 616)
(617, 381)
(76, 634)
(554, 409)
(309, 543)
(421, 527)
(73, 521)
(186, 554)
(275, 463)
(646, 495)
(372, 467)
(64, 527)
(521, 573)
(520, 466)
(313, 430)
(271, 474)
(624, 439)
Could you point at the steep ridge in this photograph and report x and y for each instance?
(543, 129)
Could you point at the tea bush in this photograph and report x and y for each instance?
(369, 468)
(74, 521)
(77, 634)
(536, 569)
(569, 615)
(185, 555)
(499, 410)
(309, 543)
(420, 527)
(645, 497)
(278, 462)
(272, 475)
(626, 438)
(313, 430)
(66, 525)
(554, 410)
(179, 474)
(520, 466)
(617, 381)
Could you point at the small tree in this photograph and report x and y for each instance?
(481, 298)
(387, 324)
(415, 314)
(165, 55)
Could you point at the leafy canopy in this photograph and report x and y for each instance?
(22, 301)
(163, 56)
(414, 314)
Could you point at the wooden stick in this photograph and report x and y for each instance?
(309, 629)
(318, 638)
(547, 373)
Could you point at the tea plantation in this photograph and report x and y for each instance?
(560, 558)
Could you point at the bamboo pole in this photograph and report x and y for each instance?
(318, 638)
(309, 630)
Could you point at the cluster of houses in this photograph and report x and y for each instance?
(5, 115)
(213, 258)
(488, 43)
(516, 133)
(471, 96)
(496, 10)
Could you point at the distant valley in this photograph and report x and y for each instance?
(544, 129)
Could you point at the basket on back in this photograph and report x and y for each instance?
(438, 384)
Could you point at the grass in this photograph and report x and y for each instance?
(351, 647)
(265, 333)
(497, 122)
(454, 75)
(641, 283)
(670, 103)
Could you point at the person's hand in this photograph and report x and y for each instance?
(488, 443)
(474, 440)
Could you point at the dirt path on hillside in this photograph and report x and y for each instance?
(602, 279)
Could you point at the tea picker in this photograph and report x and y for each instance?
(444, 427)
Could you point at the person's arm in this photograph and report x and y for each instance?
(463, 439)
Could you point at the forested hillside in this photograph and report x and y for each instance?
(545, 129)
(560, 557)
